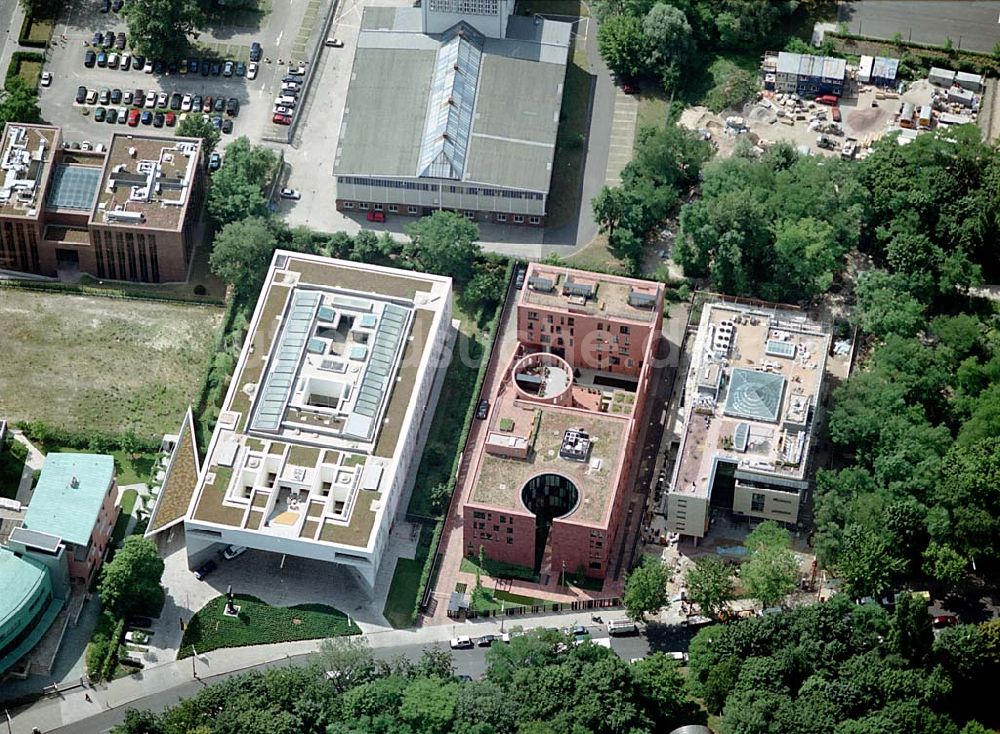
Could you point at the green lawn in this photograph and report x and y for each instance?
(261, 624)
(31, 72)
(127, 470)
(41, 29)
(491, 600)
(398, 609)
(497, 569)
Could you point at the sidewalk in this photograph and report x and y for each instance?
(32, 463)
(71, 706)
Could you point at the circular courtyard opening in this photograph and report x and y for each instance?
(547, 497)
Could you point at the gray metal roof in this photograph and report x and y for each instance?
(824, 67)
(511, 109)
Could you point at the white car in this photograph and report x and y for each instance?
(291, 194)
(292, 86)
(252, 70)
(282, 110)
(186, 103)
(233, 551)
(334, 43)
(150, 99)
(299, 70)
(285, 101)
(162, 99)
(91, 96)
(85, 145)
(148, 68)
(46, 78)
(122, 115)
(462, 643)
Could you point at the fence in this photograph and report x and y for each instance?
(571, 606)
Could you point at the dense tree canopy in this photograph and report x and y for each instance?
(444, 243)
(646, 588)
(19, 102)
(237, 190)
(130, 583)
(158, 28)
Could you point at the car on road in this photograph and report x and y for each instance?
(204, 569)
(186, 103)
(256, 51)
(146, 118)
(485, 640)
(228, 68)
(483, 409)
(232, 107)
(89, 59)
(252, 70)
(158, 119)
(46, 79)
(294, 86)
(81, 95)
(241, 69)
(99, 114)
(281, 119)
(233, 551)
(519, 278)
(334, 43)
(944, 620)
(291, 194)
(214, 161)
(133, 117)
(227, 126)
(461, 643)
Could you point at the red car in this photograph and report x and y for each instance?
(375, 215)
(827, 99)
(280, 119)
(171, 119)
(944, 620)
(133, 117)
(835, 114)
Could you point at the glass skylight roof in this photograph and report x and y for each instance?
(74, 187)
(755, 395)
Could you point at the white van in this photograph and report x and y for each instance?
(621, 627)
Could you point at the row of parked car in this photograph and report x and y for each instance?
(285, 103)
(126, 61)
(152, 99)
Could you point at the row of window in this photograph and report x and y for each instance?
(388, 183)
(415, 210)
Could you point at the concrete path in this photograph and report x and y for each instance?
(32, 463)
(623, 127)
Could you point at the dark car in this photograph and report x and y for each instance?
(81, 95)
(227, 126)
(255, 51)
(291, 79)
(233, 107)
(105, 6)
(159, 67)
(216, 68)
(138, 62)
(172, 67)
(228, 68)
(97, 38)
(120, 41)
(99, 114)
(89, 59)
(112, 116)
(241, 69)
(175, 101)
(140, 96)
(206, 106)
(109, 39)
(204, 569)
(146, 118)
(117, 5)
(102, 59)
(219, 105)
(483, 409)
(139, 622)
(116, 96)
(193, 65)
(206, 67)
(158, 119)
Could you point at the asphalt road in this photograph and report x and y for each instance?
(973, 26)
(655, 638)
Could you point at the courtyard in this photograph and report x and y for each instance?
(102, 364)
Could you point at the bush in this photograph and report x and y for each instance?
(42, 32)
(96, 654)
(48, 437)
(14, 69)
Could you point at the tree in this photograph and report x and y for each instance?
(623, 45)
(444, 243)
(710, 585)
(770, 571)
(944, 564)
(610, 206)
(668, 35)
(158, 28)
(911, 634)
(237, 190)
(130, 443)
(866, 562)
(347, 661)
(130, 583)
(884, 308)
(662, 687)
(646, 588)
(196, 126)
(19, 102)
(241, 253)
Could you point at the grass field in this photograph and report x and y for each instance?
(102, 364)
(41, 29)
(31, 72)
(405, 583)
(261, 624)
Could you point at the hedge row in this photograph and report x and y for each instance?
(49, 436)
(15, 63)
(102, 654)
(24, 37)
(218, 371)
(104, 292)
(493, 328)
(925, 54)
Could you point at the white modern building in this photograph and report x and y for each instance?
(321, 432)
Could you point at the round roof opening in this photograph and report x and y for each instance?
(550, 496)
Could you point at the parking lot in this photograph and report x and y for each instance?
(279, 33)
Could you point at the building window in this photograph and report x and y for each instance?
(533, 220)
(348, 204)
(501, 217)
(363, 205)
(510, 541)
(623, 330)
(532, 315)
(757, 502)
(518, 219)
(469, 215)
(595, 565)
(411, 210)
(479, 515)
(393, 208)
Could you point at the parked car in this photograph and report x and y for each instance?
(241, 69)
(126, 63)
(461, 643)
(139, 623)
(159, 67)
(117, 5)
(376, 215)
(206, 67)
(158, 119)
(112, 116)
(233, 551)
(170, 119)
(227, 126)
(140, 97)
(104, 96)
(206, 105)
(827, 99)
(285, 101)
(252, 70)
(193, 66)
(175, 101)
(196, 103)
(91, 96)
(102, 59)
(146, 118)
(133, 117)
(204, 569)
(138, 62)
(485, 640)
(216, 122)
(835, 114)
(113, 59)
(216, 68)
(108, 40)
(281, 110)
(281, 119)
(127, 97)
(116, 96)
(483, 409)
(232, 107)
(150, 99)
(299, 70)
(105, 6)
(149, 66)
(122, 115)
(334, 43)
(214, 161)
(291, 194)
(944, 620)
(99, 114)
(89, 59)
(255, 51)
(162, 100)
(172, 67)
(519, 278)
(81, 95)
(186, 103)
(120, 41)
(228, 68)
(293, 85)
